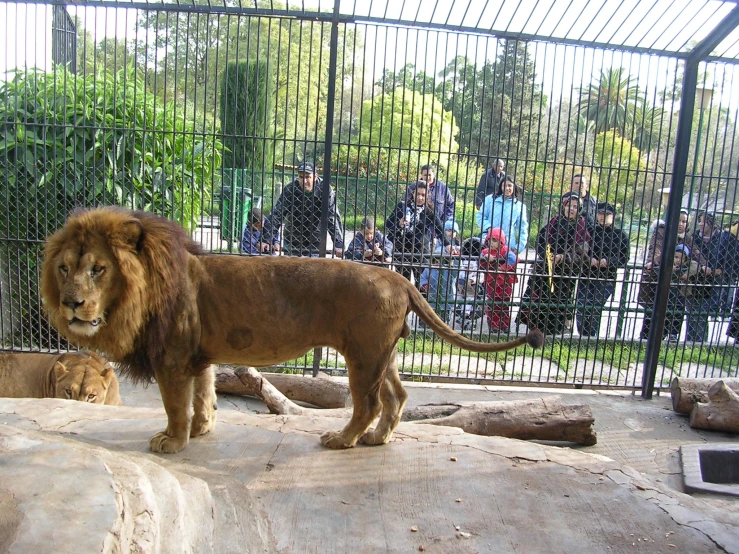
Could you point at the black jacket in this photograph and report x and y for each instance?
(301, 214)
(612, 244)
(419, 237)
(489, 183)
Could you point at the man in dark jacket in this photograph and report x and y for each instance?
(299, 208)
(581, 186)
(610, 251)
(490, 182)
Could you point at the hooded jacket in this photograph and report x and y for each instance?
(508, 214)
(500, 275)
(565, 236)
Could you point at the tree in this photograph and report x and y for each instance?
(246, 115)
(611, 101)
(405, 129)
(187, 52)
(618, 163)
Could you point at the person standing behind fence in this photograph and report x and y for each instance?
(369, 244)
(719, 253)
(505, 210)
(299, 208)
(562, 250)
(650, 273)
(609, 247)
(490, 182)
(411, 227)
(439, 197)
(581, 186)
(498, 265)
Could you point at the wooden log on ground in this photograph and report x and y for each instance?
(320, 391)
(537, 419)
(720, 413)
(687, 392)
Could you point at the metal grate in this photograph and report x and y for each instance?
(205, 111)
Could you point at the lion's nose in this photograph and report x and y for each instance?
(73, 304)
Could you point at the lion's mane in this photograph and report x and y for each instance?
(151, 254)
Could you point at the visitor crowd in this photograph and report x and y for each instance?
(578, 254)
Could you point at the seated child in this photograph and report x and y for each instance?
(499, 266)
(369, 244)
(251, 239)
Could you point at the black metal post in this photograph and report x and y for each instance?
(328, 149)
(682, 152)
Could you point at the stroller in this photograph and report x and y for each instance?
(467, 298)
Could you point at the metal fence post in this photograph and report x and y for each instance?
(328, 149)
(682, 151)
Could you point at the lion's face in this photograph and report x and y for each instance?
(85, 379)
(89, 281)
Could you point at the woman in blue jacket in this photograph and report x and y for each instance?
(506, 210)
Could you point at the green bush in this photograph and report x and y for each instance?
(68, 141)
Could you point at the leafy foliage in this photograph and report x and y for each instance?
(68, 141)
(618, 162)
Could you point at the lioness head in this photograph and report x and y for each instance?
(86, 378)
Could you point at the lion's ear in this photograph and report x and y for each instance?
(108, 373)
(130, 233)
(59, 370)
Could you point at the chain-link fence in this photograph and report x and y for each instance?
(570, 168)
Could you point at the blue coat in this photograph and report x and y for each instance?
(508, 214)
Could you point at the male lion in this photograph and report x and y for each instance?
(133, 285)
(82, 376)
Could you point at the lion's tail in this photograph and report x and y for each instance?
(533, 338)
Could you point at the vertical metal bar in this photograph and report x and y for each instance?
(682, 151)
(328, 147)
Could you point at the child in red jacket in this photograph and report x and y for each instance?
(499, 267)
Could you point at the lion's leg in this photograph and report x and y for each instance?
(204, 403)
(364, 383)
(393, 397)
(176, 388)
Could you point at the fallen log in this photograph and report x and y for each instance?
(321, 391)
(720, 413)
(687, 392)
(537, 419)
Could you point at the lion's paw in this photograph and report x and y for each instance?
(202, 424)
(164, 444)
(372, 438)
(335, 440)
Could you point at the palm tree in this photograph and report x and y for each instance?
(611, 101)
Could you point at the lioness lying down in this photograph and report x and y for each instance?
(133, 285)
(82, 376)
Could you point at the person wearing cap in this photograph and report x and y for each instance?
(650, 273)
(610, 249)
(299, 208)
(505, 210)
(719, 269)
(562, 250)
(439, 197)
(412, 226)
(588, 202)
(369, 244)
(490, 182)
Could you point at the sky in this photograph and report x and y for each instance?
(560, 68)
